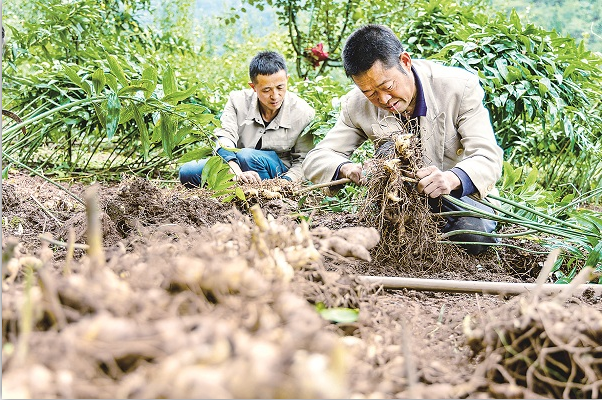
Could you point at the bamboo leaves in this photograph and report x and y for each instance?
(127, 100)
(113, 108)
(99, 81)
(217, 177)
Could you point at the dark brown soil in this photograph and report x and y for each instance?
(191, 297)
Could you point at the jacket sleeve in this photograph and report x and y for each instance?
(483, 157)
(338, 145)
(303, 144)
(227, 135)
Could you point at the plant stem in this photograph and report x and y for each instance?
(325, 184)
(50, 112)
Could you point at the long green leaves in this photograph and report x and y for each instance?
(216, 176)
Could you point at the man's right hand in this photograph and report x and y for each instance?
(248, 177)
(353, 172)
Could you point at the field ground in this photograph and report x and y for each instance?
(189, 297)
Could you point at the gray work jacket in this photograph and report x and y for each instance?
(456, 131)
(242, 127)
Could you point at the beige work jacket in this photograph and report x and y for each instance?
(242, 127)
(456, 131)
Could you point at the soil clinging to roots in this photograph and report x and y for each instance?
(408, 228)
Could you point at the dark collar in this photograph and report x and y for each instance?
(420, 108)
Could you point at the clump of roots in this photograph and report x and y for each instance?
(394, 206)
(537, 345)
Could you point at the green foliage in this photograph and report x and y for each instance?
(339, 315)
(216, 176)
(312, 22)
(521, 185)
(140, 122)
(555, 221)
(323, 94)
(580, 19)
(432, 24)
(73, 31)
(541, 90)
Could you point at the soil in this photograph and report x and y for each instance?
(181, 295)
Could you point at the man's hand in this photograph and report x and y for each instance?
(433, 182)
(353, 172)
(248, 177)
(243, 176)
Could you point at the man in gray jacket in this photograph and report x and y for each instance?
(459, 148)
(265, 123)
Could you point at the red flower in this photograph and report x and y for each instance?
(316, 54)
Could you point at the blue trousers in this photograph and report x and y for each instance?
(265, 162)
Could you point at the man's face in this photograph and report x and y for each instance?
(271, 89)
(389, 89)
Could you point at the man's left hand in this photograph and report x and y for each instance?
(433, 182)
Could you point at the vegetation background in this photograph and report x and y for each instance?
(106, 87)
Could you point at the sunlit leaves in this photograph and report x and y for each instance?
(169, 81)
(113, 108)
(216, 176)
(117, 70)
(99, 80)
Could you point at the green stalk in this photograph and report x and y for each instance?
(496, 245)
(50, 112)
(581, 199)
(540, 214)
(561, 231)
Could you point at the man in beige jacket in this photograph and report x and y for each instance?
(266, 123)
(460, 151)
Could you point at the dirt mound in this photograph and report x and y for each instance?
(193, 297)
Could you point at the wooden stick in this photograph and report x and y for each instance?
(436, 285)
(346, 180)
(325, 184)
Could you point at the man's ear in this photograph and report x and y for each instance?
(252, 85)
(405, 60)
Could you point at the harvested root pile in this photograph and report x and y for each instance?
(175, 313)
(402, 216)
(540, 346)
(278, 197)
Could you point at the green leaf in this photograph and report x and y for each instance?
(196, 154)
(131, 89)
(149, 77)
(239, 193)
(112, 82)
(531, 179)
(101, 114)
(209, 170)
(594, 259)
(168, 133)
(340, 315)
(5, 171)
(144, 138)
(99, 81)
(117, 70)
(175, 97)
(169, 81)
(113, 109)
(72, 74)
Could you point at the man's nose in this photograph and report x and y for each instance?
(384, 98)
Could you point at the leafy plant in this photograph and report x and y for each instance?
(149, 119)
(542, 91)
(216, 176)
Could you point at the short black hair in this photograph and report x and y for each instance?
(266, 63)
(369, 44)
